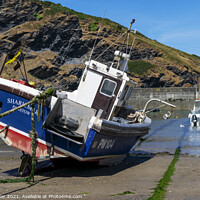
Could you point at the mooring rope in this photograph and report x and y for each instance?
(39, 105)
(41, 96)
(33, 135)
(40, 99)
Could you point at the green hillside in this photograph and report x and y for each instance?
(65, 36)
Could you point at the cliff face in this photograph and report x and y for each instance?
(56, 45)
(15, 12)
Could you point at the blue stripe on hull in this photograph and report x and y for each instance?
(110, 145)
(21, 119)
(96, 144)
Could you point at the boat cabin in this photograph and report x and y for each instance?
(103, 92)
(103, 88)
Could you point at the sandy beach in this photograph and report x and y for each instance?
(138, 174)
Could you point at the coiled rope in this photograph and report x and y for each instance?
(40, 99)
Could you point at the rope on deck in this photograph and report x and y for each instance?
(40, 99)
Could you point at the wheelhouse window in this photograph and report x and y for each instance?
(124, 92)
(129, 93)
(108, 87)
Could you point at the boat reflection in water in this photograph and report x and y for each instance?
(194, 114)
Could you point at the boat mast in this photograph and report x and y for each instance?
(127, 34)
(122, 54)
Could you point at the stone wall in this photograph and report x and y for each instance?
(183, 98)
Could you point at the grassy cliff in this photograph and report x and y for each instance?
(56, 39)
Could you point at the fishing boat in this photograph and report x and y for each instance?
(194, 115)
(93, 123)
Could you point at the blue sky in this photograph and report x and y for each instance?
(175, 23)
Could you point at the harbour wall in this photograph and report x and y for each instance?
(183, 98)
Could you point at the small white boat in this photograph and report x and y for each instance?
(194, 114)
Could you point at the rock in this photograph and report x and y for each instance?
(153, 82)
(144, 54)
(43, 72)
(106, 57)
(186, 76)
(15, 12)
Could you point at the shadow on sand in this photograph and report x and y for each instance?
(65, 167)
(71, 168)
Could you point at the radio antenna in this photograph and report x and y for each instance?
(97, 35)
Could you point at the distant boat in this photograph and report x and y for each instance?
(194, 114)
(92, 123)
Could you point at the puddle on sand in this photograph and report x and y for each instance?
(167, 135)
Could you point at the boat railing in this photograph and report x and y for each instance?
(165, 116)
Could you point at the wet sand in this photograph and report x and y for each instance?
(137, 174)
(185, 183)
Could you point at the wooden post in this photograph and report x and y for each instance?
(2, 62)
